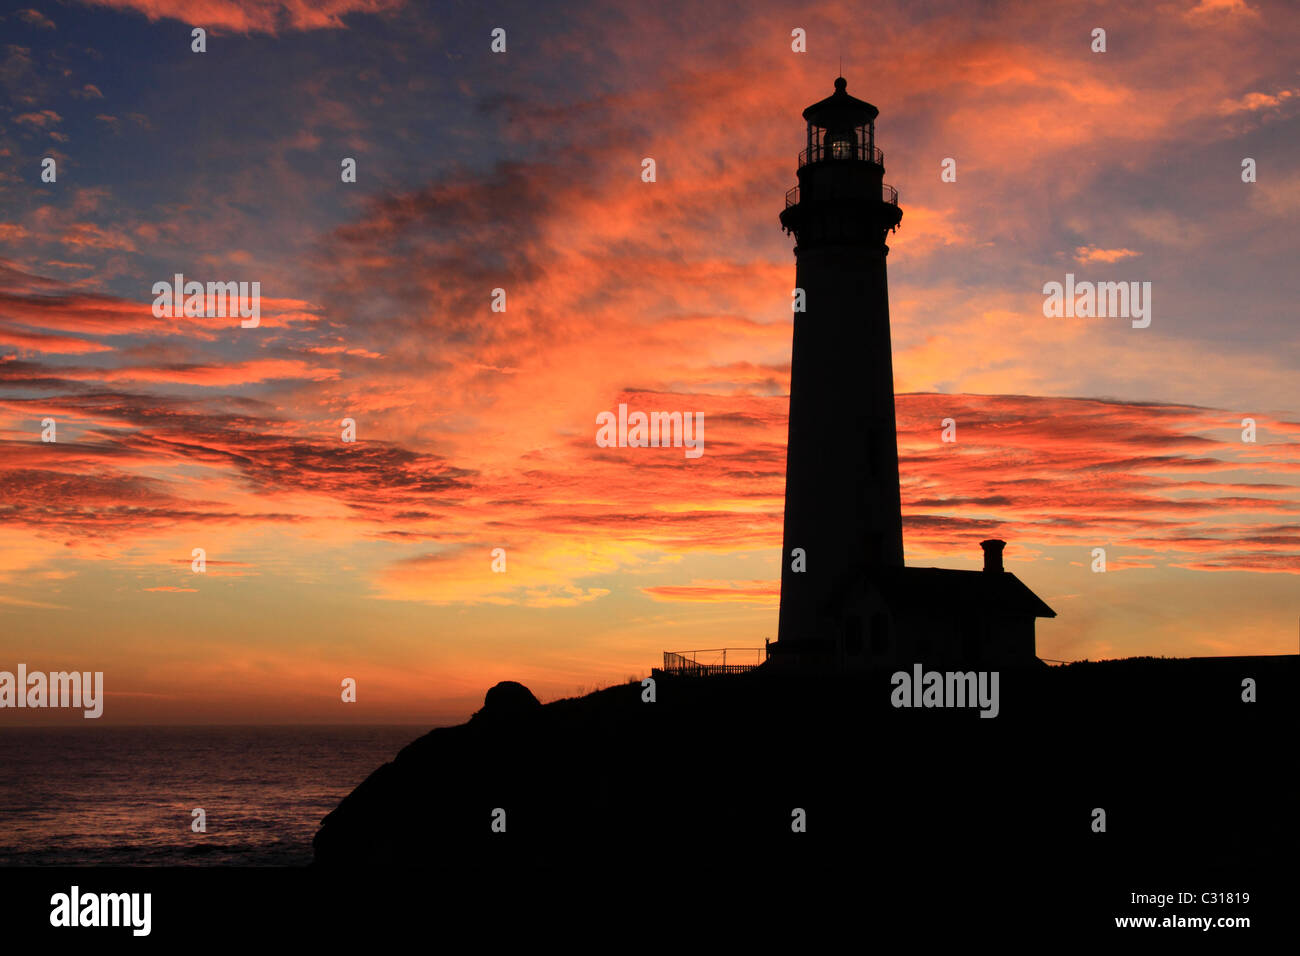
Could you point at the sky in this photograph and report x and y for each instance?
(475, 429)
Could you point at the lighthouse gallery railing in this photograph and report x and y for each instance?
(887, 194)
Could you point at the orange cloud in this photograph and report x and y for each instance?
(255, 16)
(747, 592)
(1087, 254)
(40, 118)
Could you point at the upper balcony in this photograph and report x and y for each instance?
(841, 149)
(888, 194)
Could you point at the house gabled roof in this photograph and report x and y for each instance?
(991, 592)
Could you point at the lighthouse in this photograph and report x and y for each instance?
(842, 512)
(847, 600)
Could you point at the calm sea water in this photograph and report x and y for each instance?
(124, 796)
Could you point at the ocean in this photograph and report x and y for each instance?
(124, 796)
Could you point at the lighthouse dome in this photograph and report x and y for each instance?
(840, 110)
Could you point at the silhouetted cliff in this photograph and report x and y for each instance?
(715, 768)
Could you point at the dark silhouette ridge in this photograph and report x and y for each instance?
(1188, 774)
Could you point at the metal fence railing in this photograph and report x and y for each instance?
(713, 661)
(887, 194)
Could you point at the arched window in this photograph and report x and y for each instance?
(853, 635)
(879, 633)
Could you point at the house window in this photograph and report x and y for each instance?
(879, 633)
(853, 635)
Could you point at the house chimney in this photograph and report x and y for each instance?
(993, 554)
